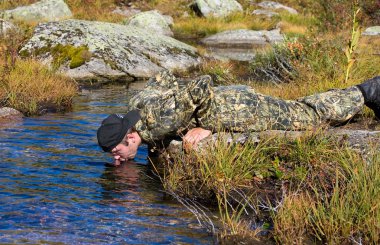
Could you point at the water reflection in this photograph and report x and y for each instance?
(56, 189)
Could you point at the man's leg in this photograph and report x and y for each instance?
(336, 106)
(240, 108)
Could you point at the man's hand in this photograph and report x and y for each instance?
(117, 158)
(193, 136)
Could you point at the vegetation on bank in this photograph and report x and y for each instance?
(28, 85)
(312, 189)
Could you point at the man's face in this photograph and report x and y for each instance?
(126, 149)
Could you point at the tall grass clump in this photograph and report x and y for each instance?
(349, 213)
(32, 88)
(26, 84)
(309, 189)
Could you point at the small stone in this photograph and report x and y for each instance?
(372, 31)
(276, 6)
(9, 113)
(6, 26)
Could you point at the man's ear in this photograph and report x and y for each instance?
(132, 137)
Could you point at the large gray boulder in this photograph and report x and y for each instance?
(153, 21)
(372, 31)
(276, 6)
(45, 10)
(107, 52)
(243, 38)
(217, 8)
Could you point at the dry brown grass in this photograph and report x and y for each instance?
(10, 4)
(99, 10)
(32, 88)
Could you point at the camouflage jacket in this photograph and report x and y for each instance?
(170, 107)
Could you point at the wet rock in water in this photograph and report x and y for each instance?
(103, 52)
(216, 8)
(276, 6)
(153, 21)
(226, 54)
(7, 113)
(263, 12)
(240, 44)
(243, 38)
(45, 10)
(372, 31)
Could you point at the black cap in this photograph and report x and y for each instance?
(114, 128)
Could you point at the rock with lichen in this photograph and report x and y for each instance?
(216, 8)
(45, 10)
(104, 52)
(153, 21)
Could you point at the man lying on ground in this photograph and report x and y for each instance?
(168, 107)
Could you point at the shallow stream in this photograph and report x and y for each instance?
(56, 189)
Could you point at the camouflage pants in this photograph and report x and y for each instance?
(169, 107)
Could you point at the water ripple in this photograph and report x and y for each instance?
(56, 189)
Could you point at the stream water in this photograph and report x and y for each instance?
(56, 189)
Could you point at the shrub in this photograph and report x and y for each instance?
(32, 88)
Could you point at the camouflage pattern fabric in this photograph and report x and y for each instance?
(170, 107)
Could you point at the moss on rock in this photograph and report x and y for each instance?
(76, 55)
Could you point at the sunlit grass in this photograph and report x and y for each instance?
(32, 88)
(11, 4)
(99, 10)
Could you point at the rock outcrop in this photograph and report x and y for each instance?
(372, 31)
(103, 52)
(45, 10)
(216, 8)
(243, 38)
(153, 21)
(276, 6)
